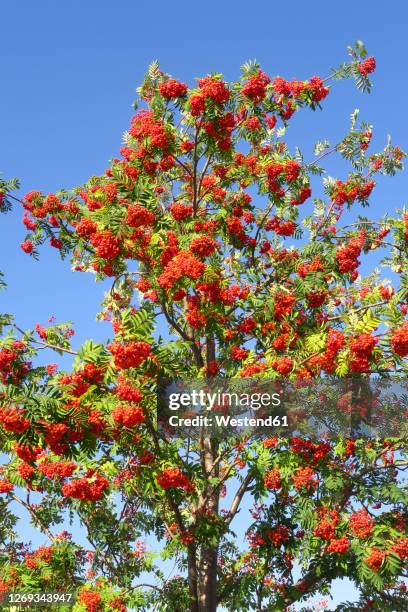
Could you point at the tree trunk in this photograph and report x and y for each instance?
(192, 578)
(207, 563)
(208, 580)
(207, 587)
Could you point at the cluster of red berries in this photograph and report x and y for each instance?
(367, 66)
(215, 89)
(85, 228)
(246, 326)
(375, 559)
(168, 253)
(401, 548)
(365, 141)
(79, 382)
(54, 435)
(210, 291)
(347, 255)
(39, 206)
(145, 125)
(13, 419)
(129, 355)
(183, 264)
(288, 170)
(57, 470)
(173, 478)
(255, 539)
(202, 246)
(361, 523)
(281, 342)
(138, 216)
(314, 88)
(278, 535)
(304, 268)
(88, 488)
(283, 365)
(339, 545)
(238, 354)
(325, 529)
(90, 599)
(27, 246)
(335, 342)
(235, 228)
(13, 367)
(211, 89)
(284, 302)
(97, 196)
(255, 87)
(5, 486)
(43, 553)
(172, 89)
(399, 341)
(312, 452)
(272, 479)
(270, 442)
(253, 124)
(303, 194)
(128, 416)
(304, 477)
(106, 244)
(180, 211)
(41, 331)
(126, 392)
(350, 191)
(361, 348)
(315, 299)
(220, 129)
(197, 105)
(26, 471)
(233, 293)
(117, 605)
(280, 226)
(196, 318)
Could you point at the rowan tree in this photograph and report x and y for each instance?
(230, 256)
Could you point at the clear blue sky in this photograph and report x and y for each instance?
(69, 71)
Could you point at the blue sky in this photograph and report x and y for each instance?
(69, 71)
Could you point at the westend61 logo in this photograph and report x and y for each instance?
(357, 406)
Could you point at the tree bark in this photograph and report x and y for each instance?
(192, 578)
(208, 579)
(207, 587)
